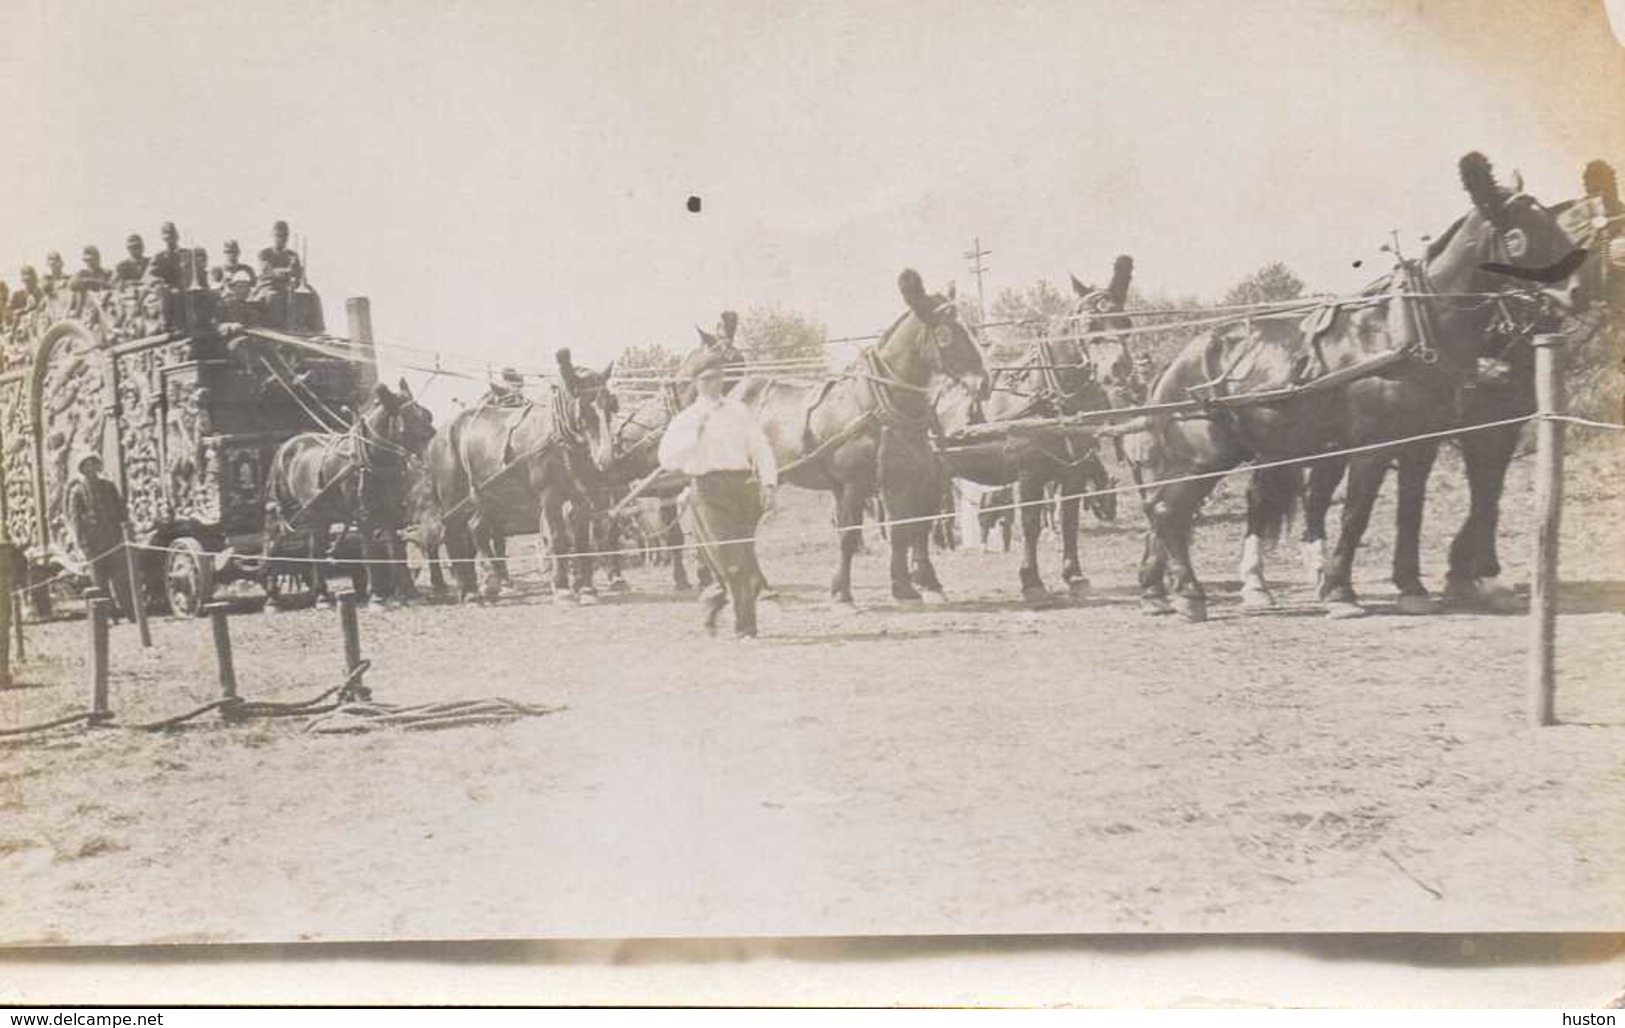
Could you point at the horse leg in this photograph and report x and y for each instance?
(1415, 464)
(1270, 494)
(316, 551)
(673, 537)
(1324, 476)
(1154, 576)
(850, 503)
(555, 528)
(1071, 567)
(1173, 513)
(581, 519)
(1365, 482)
(1474, 564)
(1031, 502)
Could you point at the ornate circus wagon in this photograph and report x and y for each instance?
(186, 394)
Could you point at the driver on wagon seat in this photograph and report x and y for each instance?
(507, 391)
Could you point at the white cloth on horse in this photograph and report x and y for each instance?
(719, 435)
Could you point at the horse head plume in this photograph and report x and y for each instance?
(1479, 180)
(913, 290)
(1122, 276)
(1600, 181)
(730, 324)
(567, 369)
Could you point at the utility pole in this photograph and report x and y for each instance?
(975, 255)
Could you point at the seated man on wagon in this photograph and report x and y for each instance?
(29, 297)
(56, 280)
(133, 268)
(92, 278)
(280, 275)
(507, 391)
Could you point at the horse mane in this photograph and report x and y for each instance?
(1436, 247)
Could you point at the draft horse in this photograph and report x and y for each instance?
(1504, 390)
(1386, 366)
(867, 430)
(1069, 370)
(545, 460)
(359, 478)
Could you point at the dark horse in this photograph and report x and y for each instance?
(1068, 371)
(637, 445)
(543, 459)
(868, 429)
(361, 477)
(1386, 366)
(1504, 391)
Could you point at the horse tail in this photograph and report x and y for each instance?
(1272, 499)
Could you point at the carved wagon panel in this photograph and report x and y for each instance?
(18, 467)
(72, 401)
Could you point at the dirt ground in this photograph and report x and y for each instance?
(976, 767)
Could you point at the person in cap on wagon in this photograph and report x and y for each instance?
(134, 267)
(96, 516)
(507, 391)
(718, 444)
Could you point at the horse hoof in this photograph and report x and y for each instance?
(618, 585)
(933, 597)
(1415, 603)
(1155, 606)
(563, 598)
(1255, 598)
(1314, 560)
(1036, 596)
(587, 599)
(1191, 608)
(1078, 588)
(1343, 610)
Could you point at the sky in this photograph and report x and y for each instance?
(504, 178)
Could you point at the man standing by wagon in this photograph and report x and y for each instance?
(96, 516)
(717, 442)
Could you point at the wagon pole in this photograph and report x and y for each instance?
(1549, 502)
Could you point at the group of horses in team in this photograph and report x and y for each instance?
(1400, 361)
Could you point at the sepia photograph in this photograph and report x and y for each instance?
(730, 470)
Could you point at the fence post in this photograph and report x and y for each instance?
(352, 631)
(222, 649)
(17, 620)
(1549, 504)
(138, 598)
(96, 606)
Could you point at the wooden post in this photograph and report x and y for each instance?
(358, 313)
(138, 598)
(17, 619)
(351, 629)
(1549, 504)
(222, 649)
(96, 606)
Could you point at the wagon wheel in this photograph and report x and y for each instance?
(188, 577)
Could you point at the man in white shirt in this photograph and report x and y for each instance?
(718, 444)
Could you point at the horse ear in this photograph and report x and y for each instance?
(1078, 287)
(405, 390)
(609, 370)
(707, 340)
(567, 369)
(388, 400)
(953, 290)
(1517, 182)
(1478, 178)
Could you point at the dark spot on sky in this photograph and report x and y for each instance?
(693, 205)
(1358, 263)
